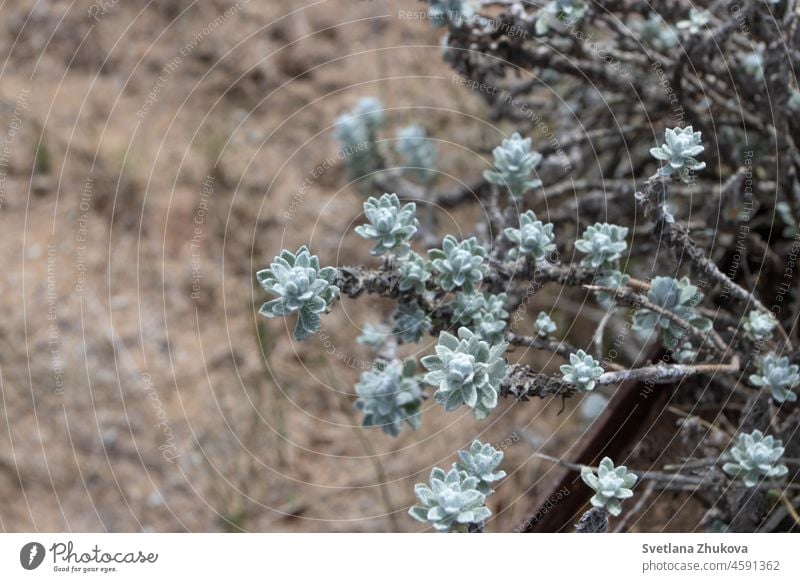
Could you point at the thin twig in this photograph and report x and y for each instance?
(628, 297)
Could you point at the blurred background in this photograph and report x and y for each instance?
(155, 155)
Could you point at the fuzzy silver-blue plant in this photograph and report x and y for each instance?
(681, 298)
(390, 397)
(411, 322)
(582, 371)
(611, 484)
(544, 325)
(301, 287)
(485, 314)
(414, 273)
(755, 457)
(603, 245)
(612, 279)
(696, 22)
(655, 32)
(778, 376)
(357, 131)
(532, 239)
(680, 151)
(759, 325)
(515, 165)
(390, 226)
(459, 264)
(466, 371)
(451, 501)
(454, 12)
(481, 461)
(374, 336)
(417, 152)
(559, 11)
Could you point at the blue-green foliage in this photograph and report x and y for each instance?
(483, 313)
(459, 264)
(532, 239)
(466, 371)
(680, 151)
(603, 245)
(515, 165)
(759, 325)
(568, 12)
(455, 12)
(414, 273)
(301, 286)
(681, 298)
(582, 371)
(390, 226)
(755, 457)
(611, 485)
(417, 153)
(411, 322)
(778, 376)
(390, 397)
(481, 461)
(451, 501)
(544, 325)
(357, 131)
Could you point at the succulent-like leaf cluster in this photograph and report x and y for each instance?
(582, 371)
(611, 484)
(482, 313)
(390, 226)
(459, 264)
(681, 298)
(680, 151)
(414, 273)
(755, 457)
(466, 370)
(565, 11)
(603, 245)
(411, 322)
(759, 325)
(544, 325)
(778, 376)
(533, 238)
(373, 336)
(357, 130)
(481, 461)
(451, 501)
(301, 286)
(390, 397)
(417, 153)
(515, 164)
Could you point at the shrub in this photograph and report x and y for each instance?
(640, 220)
